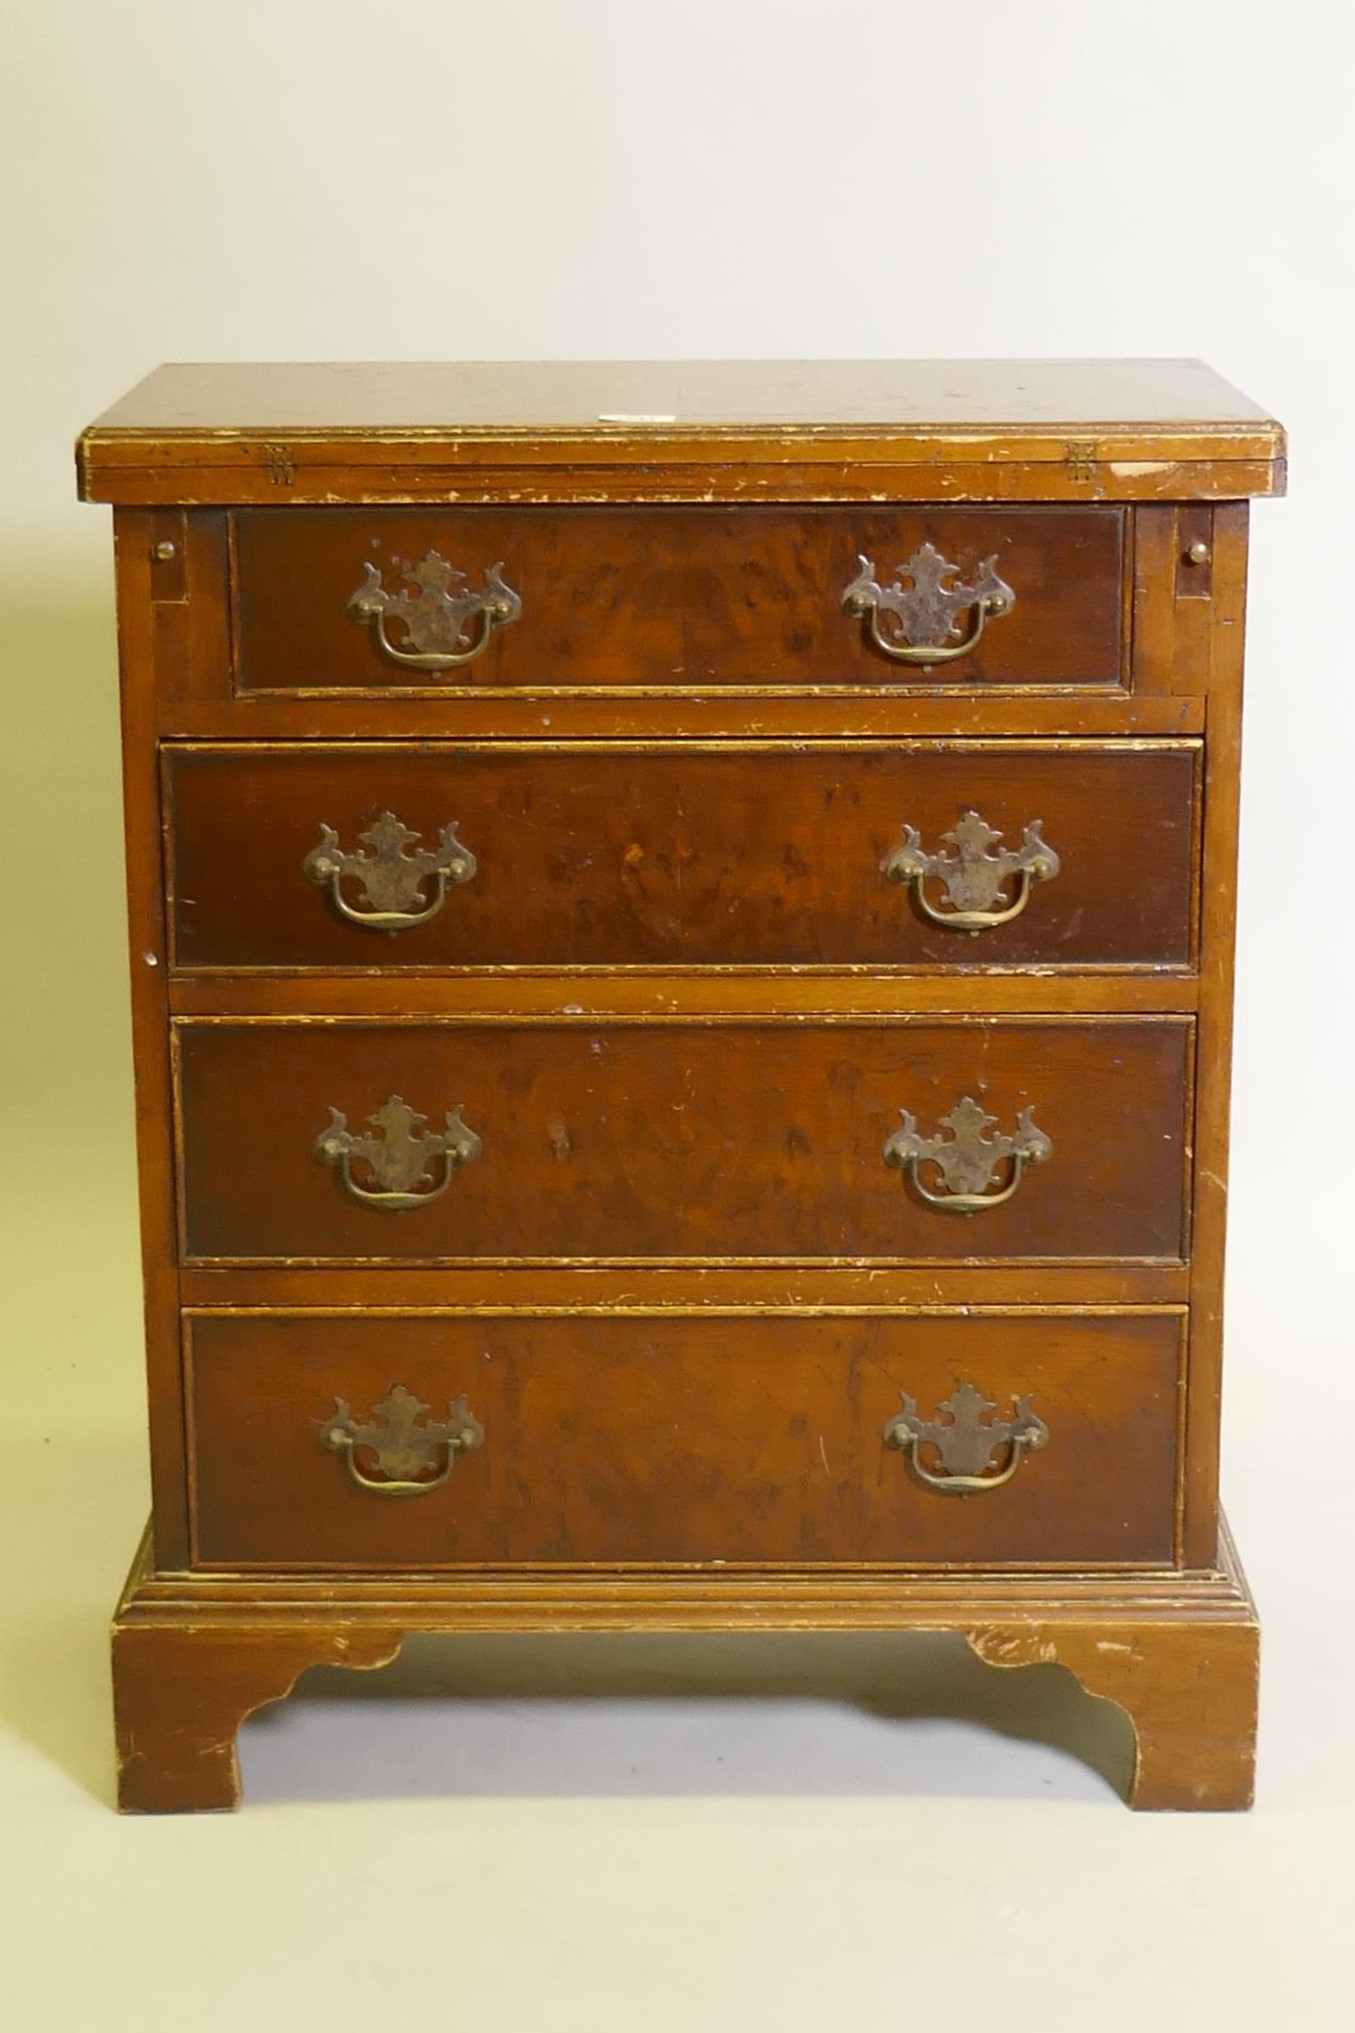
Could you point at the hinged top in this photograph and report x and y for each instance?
(574, 430)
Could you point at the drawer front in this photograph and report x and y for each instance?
(710, 1140)
(880, 854)
(637, 1439)
(538, 599)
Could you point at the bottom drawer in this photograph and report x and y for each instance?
(1024, 1438)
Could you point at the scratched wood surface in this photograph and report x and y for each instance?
(1164, 638)
(1178, 1652)
(687, 596)
(654, 1140)
(613, 1438)
(728, 855)
(587, 397)
(911, 430)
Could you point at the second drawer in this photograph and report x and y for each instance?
(903, 1140)
(924, 854)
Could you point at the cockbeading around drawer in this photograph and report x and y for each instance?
(354, 600)
(959, 854)
(703, 1140)
(407, 1440)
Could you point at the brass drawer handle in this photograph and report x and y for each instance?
(403, 1445)
(974, 880)
(965, 1441)
(924, 615)
(400, 1160)
(436, 611)
(967, 1160)
(392, 879)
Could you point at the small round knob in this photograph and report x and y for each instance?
(164, 551)
(1198, 553)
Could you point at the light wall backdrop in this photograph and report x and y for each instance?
(320, 179)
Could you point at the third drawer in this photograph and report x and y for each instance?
(699, 1139)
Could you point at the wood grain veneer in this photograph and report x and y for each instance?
(683, 1006)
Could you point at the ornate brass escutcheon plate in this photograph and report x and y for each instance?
(966, 1442)
(967, 1158)
(404, 1445)
(444, 622)
(923, 606)
(975, 878)
(393, 880)
(400, 1155)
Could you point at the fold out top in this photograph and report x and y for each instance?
(1087, 430)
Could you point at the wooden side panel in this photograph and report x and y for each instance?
(668, 1141)
(623, 1438)
(682, 854)
(1214, 1044)
(142, 628)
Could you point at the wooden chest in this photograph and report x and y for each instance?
(681, 954)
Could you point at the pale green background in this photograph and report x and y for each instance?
(706, 177)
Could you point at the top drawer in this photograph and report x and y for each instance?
(397, 600)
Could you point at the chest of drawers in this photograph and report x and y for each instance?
(681, 939)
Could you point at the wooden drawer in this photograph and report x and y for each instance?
(712, 1139)
(670, 598)
(680, 854)
(640, 1438)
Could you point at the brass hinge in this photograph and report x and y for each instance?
(1080, 458)
(281, 466)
